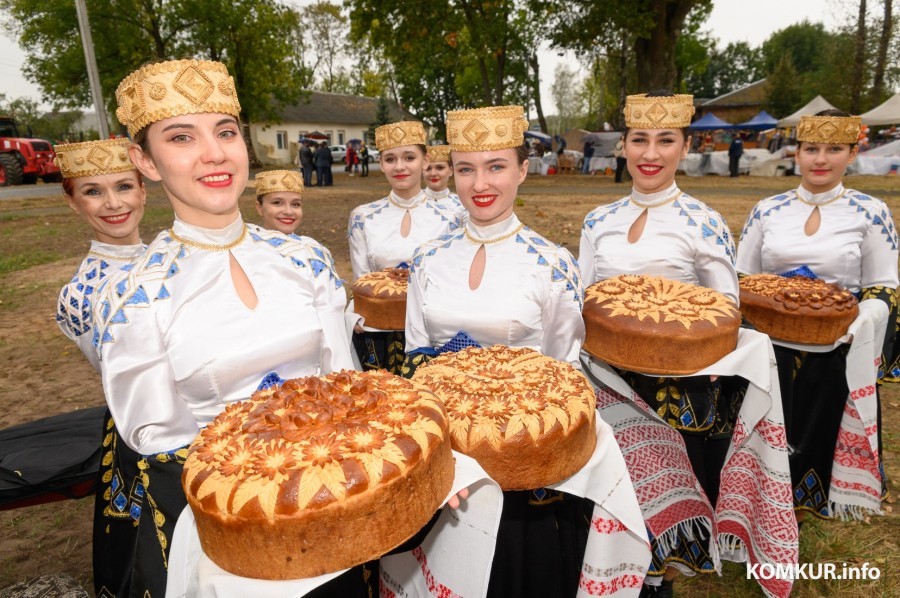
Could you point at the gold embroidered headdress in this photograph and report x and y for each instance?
(829, 129)
(439, 153)
(407, 132)
(92, 158)
(274, 181)
(663, 112)
(486, 129)
(173, 88)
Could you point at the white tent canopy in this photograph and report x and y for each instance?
(885, 114)
(817, 104)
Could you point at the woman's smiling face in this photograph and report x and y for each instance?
(653, 156)
(487, 183)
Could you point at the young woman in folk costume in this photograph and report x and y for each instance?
(498, 282)
(103, 187)
(438, 173)
(212, 307)
(386, 233)
(842, 236)
(660, 231)
(279, 200)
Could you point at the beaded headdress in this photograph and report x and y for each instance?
(274, 181)
(92, 158)
(173, 88)
(829, 129)
(659, 112)
(439, 153)
(407, 132)
(486, 129)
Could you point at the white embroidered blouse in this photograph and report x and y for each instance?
(177, 343)
(374, 231)
(73, 310)
(530, 294)
(855, 245)
(683, 239)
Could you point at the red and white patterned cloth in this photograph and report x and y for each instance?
(754, 518)
(616, 557)
(856, 480)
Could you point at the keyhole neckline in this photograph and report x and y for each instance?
(492, 240)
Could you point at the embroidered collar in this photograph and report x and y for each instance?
(221, 239)
(444, 194)
(493, 233)
(652, 200)
(406, 204)
(108, 251)
(820, 199)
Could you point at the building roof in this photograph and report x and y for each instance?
(323, 107)
(753, 94)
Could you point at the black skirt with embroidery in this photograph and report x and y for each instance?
(384, 350)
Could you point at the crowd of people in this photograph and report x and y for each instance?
(182, 326)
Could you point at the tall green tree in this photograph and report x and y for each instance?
(652, 28)
(785, 92)
(449, 54)
(253, 37)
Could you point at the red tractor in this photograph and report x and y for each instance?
(23, 160)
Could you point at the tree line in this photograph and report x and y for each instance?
(447, 54)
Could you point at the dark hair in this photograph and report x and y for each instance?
(831, 112)
(68, 185)
(662, 93)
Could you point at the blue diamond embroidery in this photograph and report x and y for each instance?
(115, 483)
(127, 268)
(686, 418)
(297, 262)
(119, 317)
(104, 310)
(73, 301)
(319, 252)
(139, 490)
(563, 265)
(519, 239)
(538, 241)
(541, 261)
(139, 297)
(182, 253)
(135, 512)
(107, 337)
(707, 232)
(255, 237)
(156, 259)
(557, 275)
(317, 266)
(163, 293)
(120, 501)
(121, 287)
(276, 242)
(173, 270)
(532, 249)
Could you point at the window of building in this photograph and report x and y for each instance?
(281, 139)
(341, 135)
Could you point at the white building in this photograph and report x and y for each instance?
(339, 117)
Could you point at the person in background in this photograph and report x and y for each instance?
(279, 200)
(364, 159)
(437, 178)
(323, 160)
(735, 151)
(104, 188)
(306, 163)
(619, 153)
(387, 232)
(588, 154)
(350, 159)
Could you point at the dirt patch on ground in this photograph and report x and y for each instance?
(44, 374)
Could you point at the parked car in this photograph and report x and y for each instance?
(338, 153)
